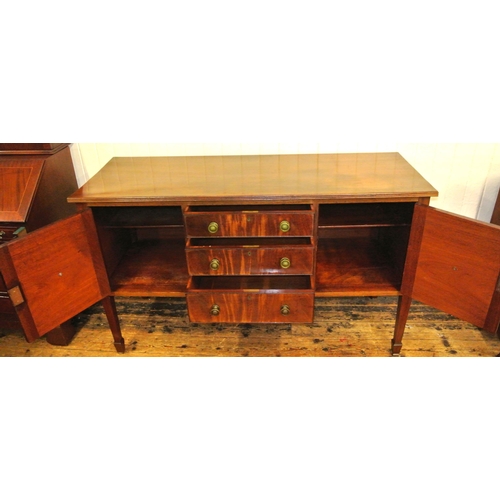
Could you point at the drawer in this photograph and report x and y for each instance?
(250, 299)
(250, 307)
(249, 221)
(241, 256)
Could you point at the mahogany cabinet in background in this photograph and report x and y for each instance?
(35, 181)
(35, 184)
(495, 217)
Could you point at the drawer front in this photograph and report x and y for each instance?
(245, 261)
(250, 307)
(249, 224)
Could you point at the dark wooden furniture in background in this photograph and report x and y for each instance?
(35, 185)
(35, 181)
(495, 217)
(257, 238)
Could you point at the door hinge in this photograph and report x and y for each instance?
(16, 296)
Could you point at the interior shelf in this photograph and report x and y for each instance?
(365, 215)
(152, 268)
(138, 217)
(355, 267)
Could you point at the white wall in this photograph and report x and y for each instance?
(466, 175)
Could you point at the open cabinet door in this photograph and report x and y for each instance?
(458, 267)
(55, 273)
(453, 265)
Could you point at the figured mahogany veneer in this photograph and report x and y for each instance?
(237, 244)
(250, 307)
(249, 221)
(246, 256)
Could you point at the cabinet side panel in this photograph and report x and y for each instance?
(57, 182)
(415, 241)
(458, 266)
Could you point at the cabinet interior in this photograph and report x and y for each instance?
(249, 208)
(361, 248)
(272, 284)
(143, 249)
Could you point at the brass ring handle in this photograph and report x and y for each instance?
(1, 234)
(215, 310)
(213, 227)
(285, 263)
(285, 310)
(285, 226)
(214, 264)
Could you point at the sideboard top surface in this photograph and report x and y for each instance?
(219, 179)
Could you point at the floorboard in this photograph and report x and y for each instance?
(349, 327)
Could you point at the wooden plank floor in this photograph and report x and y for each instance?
(356, 327)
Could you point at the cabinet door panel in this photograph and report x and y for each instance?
(54, 273)
(458, 267)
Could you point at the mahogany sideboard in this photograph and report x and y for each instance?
(256, 238)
